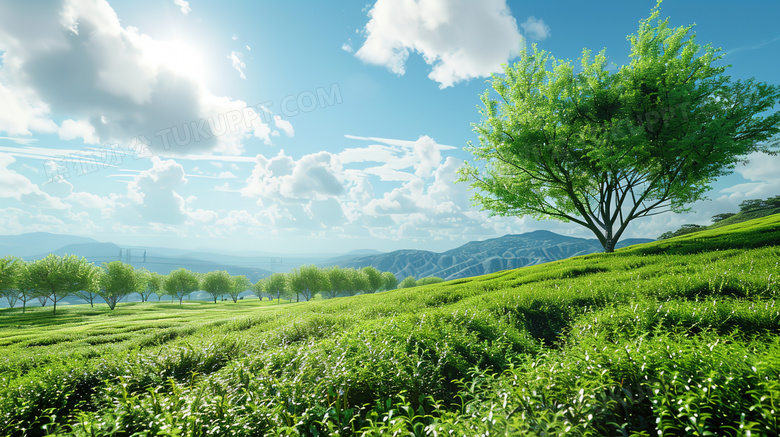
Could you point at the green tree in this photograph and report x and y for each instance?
(180, 283)
(389, 281)
(429, 280)
(759, 204)
(720, 217)
(155, 283)
(374, 277)
(339, 281)
(57, 277)
(307, 281)
(358, 282)
(146, 286)
(9, 272)
(238, 285)
(117, 281)
(25, 288)
(602, 148)
(9, 277)
(89, 295)
(684, 229)
(408, 282)
(217, 284)
(274, 285)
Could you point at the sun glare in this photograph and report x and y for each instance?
(180, 58)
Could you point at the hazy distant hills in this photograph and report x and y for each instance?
(34, 243)
(482, 257)
(471, 259)
(39, 244)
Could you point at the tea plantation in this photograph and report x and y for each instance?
(677, 337)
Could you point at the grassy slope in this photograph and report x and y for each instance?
(677, 336)
(745, 216)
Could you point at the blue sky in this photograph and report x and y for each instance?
(288, 127)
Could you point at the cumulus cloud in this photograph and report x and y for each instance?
(153, 196)
(762, 172)
(21, 113)
(418, 196)
(315, 176)
(72, 129)
(535, 29)
(183, 5)
(460, 39)
(114, 83)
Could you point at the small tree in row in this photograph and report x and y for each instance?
(118, 281)
(180, 283)
(61, 276)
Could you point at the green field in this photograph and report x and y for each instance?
(677, 337)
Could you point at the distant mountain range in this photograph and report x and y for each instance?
(482, 257)
(39, 244)
(471, 259)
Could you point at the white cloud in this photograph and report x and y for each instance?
(284, 125)
(80, 63)
(315, 176)
(72, 129)
(14, 185)
(183, 5)
(21, 114)
(460, 39)
(428, 156)
(17, 221)
(347, 48)
(535, 29)
(153, 196)
(238, 63)
(761, 168)
(422, 155)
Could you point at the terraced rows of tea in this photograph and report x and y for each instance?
(678, 337)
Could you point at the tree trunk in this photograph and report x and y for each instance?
(609, 245)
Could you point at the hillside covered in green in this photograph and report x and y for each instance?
(675, 337)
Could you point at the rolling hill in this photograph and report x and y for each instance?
(482, 257)
(674, 337)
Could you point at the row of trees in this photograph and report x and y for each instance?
(54, 278)
(307, 281)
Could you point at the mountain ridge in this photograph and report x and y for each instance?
(487, 256)
(470, 259)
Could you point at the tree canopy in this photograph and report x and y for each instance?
(307, 281)
(216, 283)
(238, 285)
(180, 283)
(58, 277)
(601, 147)
(117, 281)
